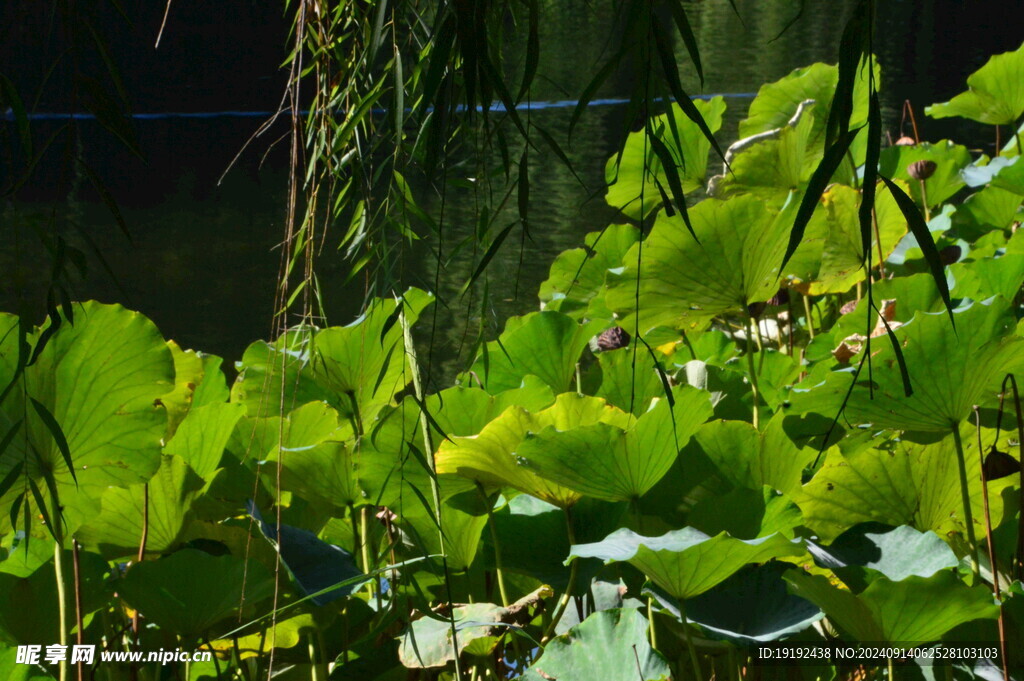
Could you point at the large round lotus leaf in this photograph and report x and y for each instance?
(752, 606)
(543, 344)
(638, 181)
(1011, 177)
(490, 457)
(895, 553)
(950, 372)
(316, 457)
(427, 641)
(994, 93)
(610, 644)
(687, 562)
(776, 102)
(117, 530)
(746, 514)
(913, 611)
(357, 369)
(980, 279)
(986, 210)
(949, 160)
(773, 163)
(97, 386)
(830, 258)
(749, 459)
(13, 670)
(390, 461)
(608, 462)
(194, 589)
(909, 484)
(683, 283)
(461, 531)
(577, 276)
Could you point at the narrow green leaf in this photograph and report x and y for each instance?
(668, 164)
(686, 32)
(815, 188)
(920, 230)
(57, 434)
(491, 251)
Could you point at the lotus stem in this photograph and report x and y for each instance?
(889, 663)
(753, 372)
(966, 500)
(499, 573)
(80, 670)
(1018, 560)
(316, 668)
(692, 649)
(563, 602)
(991, 546)
(807, 312)
(878, 240)
(924, 202)
(62, 604)
(435, 489)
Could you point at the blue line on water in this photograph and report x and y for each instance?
(497, 108)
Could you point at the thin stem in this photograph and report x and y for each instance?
(753, 372)
(694, 658)
(80, 670)
(807, 312)
(924, 202)
(991, 546)
(505, 601)
(966, 500)
(878, 240)
(316, 670)
(62, 604)
(569, 588)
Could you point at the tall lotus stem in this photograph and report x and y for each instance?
(435, 489)
(497, 546)
(807, 313)
(692, 649)
(80, 671)
(753, 372)
(1018, 560)
(62, 604)
(966, 500)
(991, 547)
(567, 596)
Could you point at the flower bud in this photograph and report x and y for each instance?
(922, 170)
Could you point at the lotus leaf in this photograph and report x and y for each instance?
(949, 160)
(910, 612)
(610, 644)
(994, 93)
(687, 562)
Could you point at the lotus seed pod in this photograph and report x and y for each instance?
(950, 254)
(780, 298)
(613, 339)
(999, 465)
(921, 170)
(755, 310)
(905, 142)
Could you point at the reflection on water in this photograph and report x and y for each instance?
(202, 263)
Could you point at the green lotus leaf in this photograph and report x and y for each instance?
(543, 344)
(684, 283)
(750, 459)
(196, 591)
(117, 530)
(13, 670)
(316, 457)
(630, 380)
(830, 258)
(687, 562)
(950, 372)
(390, 461)
(202, 436)
(874, 548)
(577, 275)
(994, 93)
(188, 374)
(357, 369)
(746, 513)
(461, 531)
(776, 102)
(608, 462)
(987, 210)
(286, 634)
(637, 180)
(752, 606)
(911, 484)
(998, 276)
(427, 641)
(1011, 177)
(949, 160)
(101, 381)
(490, 457)
(916, 610)
(609, 644)
(773, 163)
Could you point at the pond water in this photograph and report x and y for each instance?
(202, 261)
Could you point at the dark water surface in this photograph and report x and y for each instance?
(201, 260)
